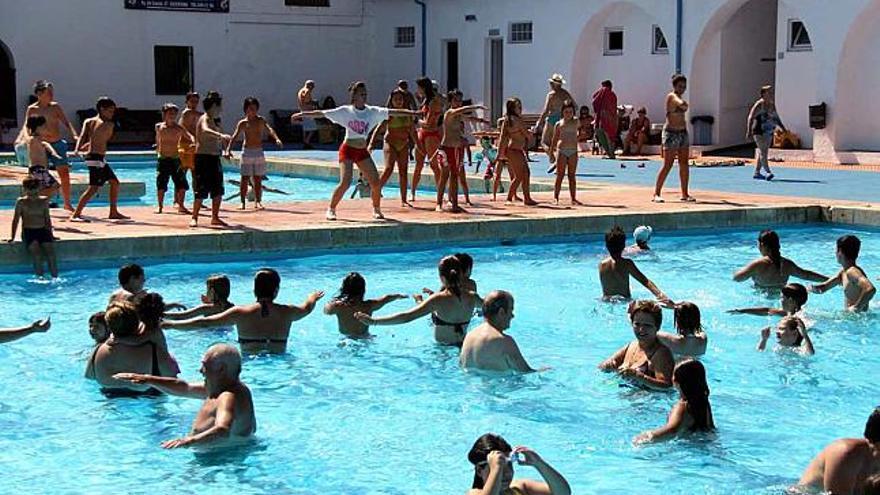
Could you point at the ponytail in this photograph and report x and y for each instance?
(770, 240)
(450, 269)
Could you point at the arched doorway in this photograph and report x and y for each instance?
(7, 88)
(735, 55)
(594, 60)
(853, 115)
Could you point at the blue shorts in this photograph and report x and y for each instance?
(60, 147)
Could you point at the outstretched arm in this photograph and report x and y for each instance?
(758, 311)
(226, 318)
(172, 386)
(828, 284)
(421, 309)
(465, 109)
(379, 303)
(10, 334)
(300, 312)
(200, 310)
(746, 272)
(642, 279)
(308, 114)
(806, 274)
(554, 483)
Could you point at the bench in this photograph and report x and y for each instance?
(133, 127)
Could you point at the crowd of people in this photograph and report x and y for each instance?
(131, 356)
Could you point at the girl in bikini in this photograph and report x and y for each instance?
(453, 168)
(565, 141)
(513, 143)
(493, 459)
(399, 131)
(675, 140)
(429, 131)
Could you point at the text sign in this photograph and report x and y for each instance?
(181, 5)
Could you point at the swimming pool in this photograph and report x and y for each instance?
(396, 415)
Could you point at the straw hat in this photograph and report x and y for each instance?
(557, 79)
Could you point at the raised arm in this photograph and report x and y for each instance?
(554, 483)
(226, 318)
(808, 342)
(172, 386)
(10, 334)
(377, 304)
(300, 312)
(765, 334)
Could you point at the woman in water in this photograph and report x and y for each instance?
(691, 339)
(564, 151)
(453, 126)
(646, 361)
(493, 460)
(760, 125)
(262, 326)
(351, 300)
(399, 131)
(675, 140)
(429, 131)
(512, 147)
(692, 412)
(772, 270)
(451, 308)
(358, 119)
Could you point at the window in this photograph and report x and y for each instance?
(798, 37)
(307, 3)
(660, 45)
(405, 36)
(614, 41)
(520, 32)
(174, 69)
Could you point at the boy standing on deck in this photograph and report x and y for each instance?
(36, 226)
(96, 132)
(169, 135)
(208, 171)
(857, 287)
(189, 117)
(253, 160)
(39, 152)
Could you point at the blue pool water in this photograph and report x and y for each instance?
(397, 416)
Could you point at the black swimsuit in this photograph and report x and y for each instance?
(244, 340)
(459, 328)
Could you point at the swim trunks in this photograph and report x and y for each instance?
(42, 235)
(170, 168)
(253, 163)
(187, 157)
(207, 176)
(60, 148)
(350, 154)
(675, 139)
(42, 174)
(99, 171)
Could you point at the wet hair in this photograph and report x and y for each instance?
(395, 92)
(129, 271)
(41, 85)
(479, 454)
(872, 427)
(797, 292)
(467, 262)
(677, 78)
(496, 301)
(510, 108)
(427, 87)
(451, 270)
(770, 240)
(98, 319)
(30, 182)
(266, 284)
(690, 375)
(169, 107)
(211, 100)
(353, 288)
(192, 94)
(607, 84)
(795, 324)
(849, 246)
(250, 100)
(151, 309)
(34, 122)
(221, 287)
(615, 241)
(569, 104)
(687, 318)
(646, 306)
(122, 319)
(104, 102)
(354, 87)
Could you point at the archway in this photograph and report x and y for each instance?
(735, 55)
(853, 115)
(7, 88)
(634, 71)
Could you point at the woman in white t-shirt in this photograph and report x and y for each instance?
(358, 119)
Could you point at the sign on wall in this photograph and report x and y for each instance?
(181, 5)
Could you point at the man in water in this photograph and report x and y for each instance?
(844, 466)
(615, 270)
(487, 347)
(552, 112)
(857, 287)
(228, 409)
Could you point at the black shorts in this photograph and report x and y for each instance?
(169, 168)
(41, 236)
(42, 174)
(207, 176)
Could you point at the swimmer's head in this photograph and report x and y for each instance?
(357, 92)
(768, 244)
(218, 288)
(568, 109)
(106, 107)
(251, 106)
(213, 103)
(789, 331)
(615, 241)
(34, 124)
(221, 365)
(646, 318)
(689, 377)
(794, 296)
(848, 247)
(498, 309)
(266, 284)
(31, 185)
(642, 234)
(131, 277)
(451, 271)
(122, 319)
(353, 289)
(479, 457)
(872, 427)
(687, 318)
(151, 309)
(679, 84)
(513, 106)
(98, 327)
(467, 263)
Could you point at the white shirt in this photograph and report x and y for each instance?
(357, 123)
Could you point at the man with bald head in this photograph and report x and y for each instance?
(228, 410)
(487, 347)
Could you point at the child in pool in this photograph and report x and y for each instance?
(100, 333)
(692, 412)
(794, 297)
(351, 300)
(215, 300)
(467, 266)
(691, 339)
(790, 332)
(857, 287)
